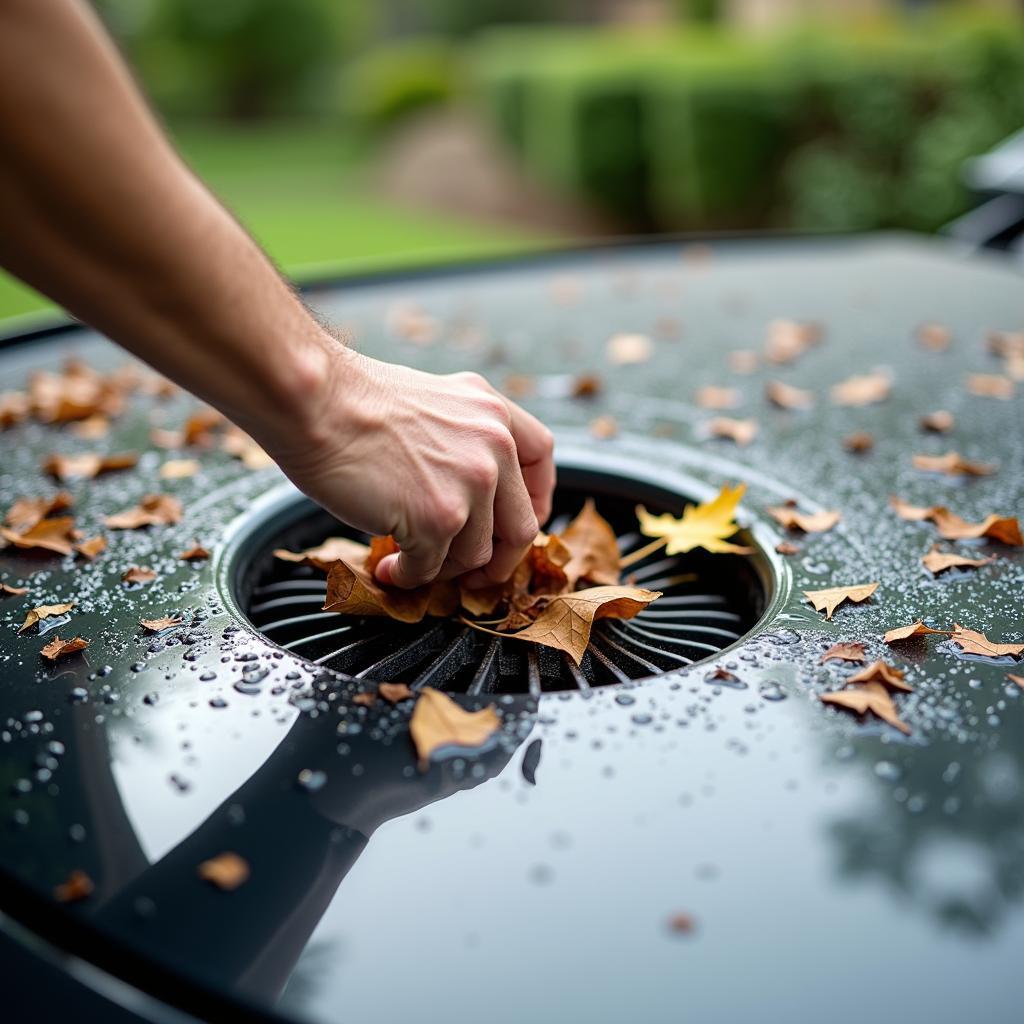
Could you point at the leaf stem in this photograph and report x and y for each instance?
(641, 553)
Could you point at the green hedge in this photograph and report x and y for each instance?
(813, 130)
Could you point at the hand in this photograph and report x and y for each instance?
(456, 473)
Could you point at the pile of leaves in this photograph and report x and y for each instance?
(564, 582)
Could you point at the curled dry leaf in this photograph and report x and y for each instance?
(178, 469)
(91, 547)
(58, 648)
(937, 561)
(873, 698)
(740, 431)
(6, 590)
(971, 641)
(830, 599)
(437, 722)
(604, 428)
(138, 574)
(859, 442)
(394, 692)
(56, 535)
(159, 625)
(152, 510)
(880, 672)
(788, 340)
(991, 385)
(26, 512)
(87, 465)
(77, 886)
(44, 611)
(864, 389)
(712, 397)
(586, 385)
(324, 555)
(934, 337)
(352, 590)
(226, 871)
(1004, 529)
(912, 513)
(941, 421)
(628, 349)
(844, 652)
(917, 628)
(808, 522)
(785, 396)
(566, 621)
(953, 464)
(196, 553)
(700, 526)
(592, 548)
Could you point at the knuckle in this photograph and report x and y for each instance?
(448, 517)
(547, 442)
(473, 379)
(525, 530)
(479, 557)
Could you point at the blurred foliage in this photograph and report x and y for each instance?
(815, 129)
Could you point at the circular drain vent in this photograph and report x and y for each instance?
(709, 603)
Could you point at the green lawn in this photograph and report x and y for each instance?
(300, 190)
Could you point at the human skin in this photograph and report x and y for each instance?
(98, 212)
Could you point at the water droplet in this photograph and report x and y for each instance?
(771, 690)
(217, 702)
(311, 780)
(624, 699)
(888, 771)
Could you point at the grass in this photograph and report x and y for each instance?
(302, 192)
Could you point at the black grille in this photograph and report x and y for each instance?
(709, 602)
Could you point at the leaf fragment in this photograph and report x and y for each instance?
(58, 648)
(863, 389)
(785, 396)
(812, 522)
(740, 431)
(859, 442)
(873, 698)
(26, 512)
(787, 547)
(713, 397)
(918, 628)
(55, 534)
(324, 555)
(159, 625)
(941, 421)
(1005, 529)
(394, 692)
(832, 597)
(880, 672)
(843, 652)
(178, 469)
(936, 561)
(586, 385)
(352, 590)
(628, 349)
(912, 513)
(604, 428)
(991, 385)
(701, 526)
(789, 339)
(226, 871)
(971, 641)
(87, 465)
(1019, 680)
(953, 464)
(138, 574)
(6, 590)
(196, 553)
(77, 886)
(44, 611)
(592, 547)
(438, 721)
(91, 547)
(152, 510)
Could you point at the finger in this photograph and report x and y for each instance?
(416, 564)
(471, 549)
(535, 447)
(515, 526)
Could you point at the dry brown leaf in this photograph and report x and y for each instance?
(991, 385)
(6, 590)
(87, 465)
(178, 469)
(787, 547)
(159, 625)
(394, 692)
(91, 547)
(788, 339)
(1004, 529)
(700, 526)
(55, 535)
(973, 642)
(604, 428)
(743, 360)
(44, 611)
(138, 574)
(808, 522)
(628, 349)
(912, 513)
(437, 722)
(934, 337)
(829, 599)
(592, 548)
(865, 389)
(785, 396)
(586, 385)
(226, 871)
(917, 628)
(58, 648)
(77, 887)
(352, 590)
(937, 561)
(78, 393)
(740, 431)
(26, 512)
(152, 510)
(880, 672)
(872, 697)
(324, 555)
(941, 421)
(566, 621)
(859, 442)
(952, 463)
(713, 397)
(723, 674)
(844, 652)
(196, 553)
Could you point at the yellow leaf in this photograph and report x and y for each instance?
(700, 526)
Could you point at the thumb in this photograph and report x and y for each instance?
(410, 567)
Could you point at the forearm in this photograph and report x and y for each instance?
(99, 213)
